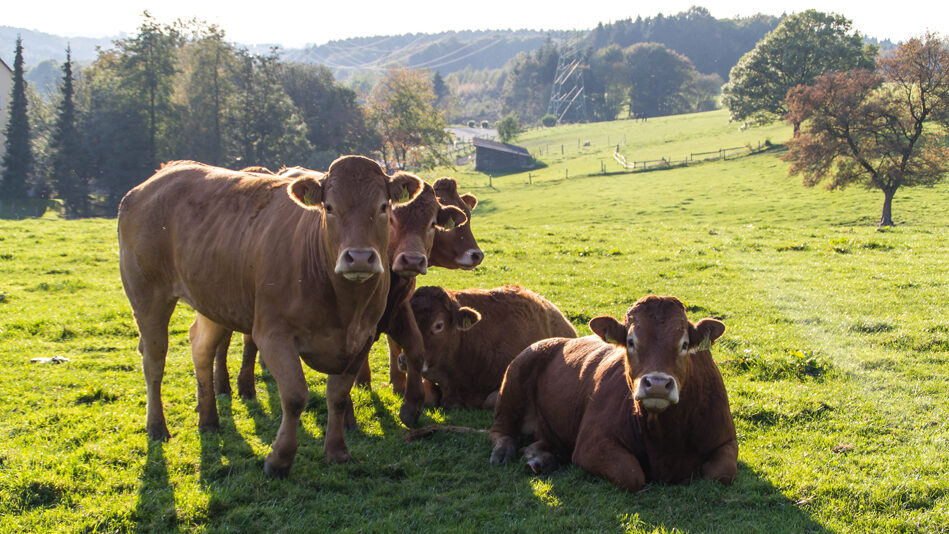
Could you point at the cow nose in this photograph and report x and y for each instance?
(657, 385)
(364, 261)
(410, 263)
(476, 256)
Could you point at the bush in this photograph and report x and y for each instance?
(471, 124)
(548, 120)
(508, 128)
(485, 124)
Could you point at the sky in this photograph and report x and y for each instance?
(294, 24)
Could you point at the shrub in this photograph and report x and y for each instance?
(471, 124)
(485, 124)
(548, 120)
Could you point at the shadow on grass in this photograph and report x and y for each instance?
(155, 509)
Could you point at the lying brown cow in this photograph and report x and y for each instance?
(472, 335)
(642, 402)
(296, 263)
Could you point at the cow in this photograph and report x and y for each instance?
(297, 263)
(640, 401)
(471, 336)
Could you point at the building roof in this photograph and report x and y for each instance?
(500, 147)
(4, 63)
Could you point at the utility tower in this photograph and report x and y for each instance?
(567, 98)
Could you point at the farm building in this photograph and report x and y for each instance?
(495, 156)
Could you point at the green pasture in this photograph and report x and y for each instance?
(836, 360)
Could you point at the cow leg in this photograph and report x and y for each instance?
(723, 465)
(284, 365)
(406, 333)
(491, 400)
(152, 323)
(505, 448)
(206, 336)
(539, 458)
(364, 376)
(222, 380)
(338, 404)
(245, 379)
(606, 458)
(396, 376)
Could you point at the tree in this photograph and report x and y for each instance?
(659, 80)
(527, 83)
(18, 158)
(876, 129)
(803, 46)
(148, 66)
(402, 106)
(65, 148)
(442, 92)
(335, 122)
(508, 128)
(206, 66)
(267, 128)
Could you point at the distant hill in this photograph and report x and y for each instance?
(40, 46)
(445, 52)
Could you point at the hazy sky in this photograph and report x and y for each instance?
(293, 23)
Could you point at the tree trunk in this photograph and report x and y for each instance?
(887, 218)
(797, 128)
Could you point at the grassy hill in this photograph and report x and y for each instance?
(835, 360)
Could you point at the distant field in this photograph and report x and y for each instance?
(836, 359)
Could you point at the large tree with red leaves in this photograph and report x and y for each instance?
(883, 130)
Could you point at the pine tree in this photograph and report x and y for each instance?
(18, 158)
(65, 147)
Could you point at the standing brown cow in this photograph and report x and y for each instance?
(435, 224)
(640, 401)
(296, 263)
(471, 336)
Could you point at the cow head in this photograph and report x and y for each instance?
(440, 318)
(660, 343)
(413, 227)
(455, 248)
(354, 197)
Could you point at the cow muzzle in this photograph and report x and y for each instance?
(470, 259)
(657, 391)
(410, 264)
(358, 264)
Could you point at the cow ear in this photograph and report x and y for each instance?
(306, 191)
(466, 317)
(404, 187)
(470, 200)
(705, 332)
(450, 217)
(609, 330)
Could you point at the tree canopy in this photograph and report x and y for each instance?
(18, 158)
(883, 130)
(804, 46)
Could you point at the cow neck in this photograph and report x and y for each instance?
(672, 426)
(356, 304)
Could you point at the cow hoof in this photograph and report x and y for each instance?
(504, 451)
(275, 472)
(159, 433)
(342, 457)
(409, 415)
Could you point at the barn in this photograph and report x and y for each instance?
(495, 156)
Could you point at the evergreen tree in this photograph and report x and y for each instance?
(65, 149)
(18, 158)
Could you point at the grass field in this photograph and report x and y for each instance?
(836, 360)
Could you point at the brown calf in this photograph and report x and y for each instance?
(298, 264)
(640, 401)
(471, 336)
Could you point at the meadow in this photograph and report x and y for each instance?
(836, 361)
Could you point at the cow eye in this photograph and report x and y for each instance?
(438, 327)
(382, 209)
(685, 346)
(328, 208)
(631, 343)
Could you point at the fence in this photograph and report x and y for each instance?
(722, 153)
